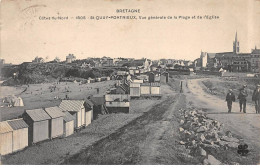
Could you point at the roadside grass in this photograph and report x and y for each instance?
(220, 87)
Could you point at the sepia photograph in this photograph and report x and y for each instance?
(129, 82)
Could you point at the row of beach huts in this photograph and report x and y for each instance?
(37, 125)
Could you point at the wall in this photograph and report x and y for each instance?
(88, 117)
(117, 104)
(40, 131)
(227, 74)
(208, 73)
(69, 128)
(155, 90)
(145, 90)
(118, 109)
(112, 97)
(134, 91)
(56, 127)
(20, 139)
(6, 140)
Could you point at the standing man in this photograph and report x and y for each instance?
(242, 98)
(230, 98)
(181, 86)
(256, 98)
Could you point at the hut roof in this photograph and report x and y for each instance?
(71, 105)
(5, 127)
(97, 100)
(54, 112)
(68, 117)
(17, 124)
(38, 114)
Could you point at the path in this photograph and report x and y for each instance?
(245, 125)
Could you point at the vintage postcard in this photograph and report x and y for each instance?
(130, 82)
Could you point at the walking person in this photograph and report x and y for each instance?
(256, 99)
(230, 98)
(242, 98)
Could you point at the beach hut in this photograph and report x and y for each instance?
(89, 107)
(20, 134)
(135, 89)
(98, 105)
(68, 124)
(75, 108)
(6, 138)
(38, 122)
(56, 122)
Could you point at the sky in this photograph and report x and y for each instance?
(24, 36)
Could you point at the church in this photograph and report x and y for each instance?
(234, 61)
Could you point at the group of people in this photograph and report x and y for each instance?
(242, 96)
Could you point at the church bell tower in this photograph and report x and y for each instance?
(236, 45)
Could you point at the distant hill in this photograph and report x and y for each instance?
(32, 73)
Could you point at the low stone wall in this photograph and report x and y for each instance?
(208, 73)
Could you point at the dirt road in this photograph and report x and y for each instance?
(245, 125)
(153, 138)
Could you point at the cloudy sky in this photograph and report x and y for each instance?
(24, 36)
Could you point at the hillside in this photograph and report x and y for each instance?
(33, 73)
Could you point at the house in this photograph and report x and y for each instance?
(75, 108)
(70, 58)
(98, 79)
(6, 138)
(107, 62)
(255, 60)
(135, 90)
(164, 77)
(68, 124)
(145, 63)
(20, 134)
(38, 122)
(98, 105)
(117, 103)
(56, 122)
(103, 78)
(38, 60)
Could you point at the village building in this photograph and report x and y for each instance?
(70, 58)
(56, 122)
(234, 61)
(255, 60)
(106, 61)
(117, 103)
(6, 138)
(142, 64)
(68, 124)
(20, 134)
(38, 122)
(76, 109)
(38, 60)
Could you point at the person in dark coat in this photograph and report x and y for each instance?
(242, 98)
(230, 98)
(256, 98)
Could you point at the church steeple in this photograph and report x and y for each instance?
(236, 45)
